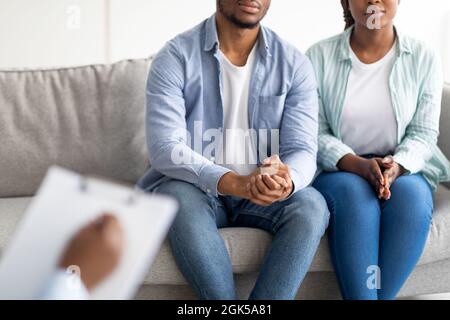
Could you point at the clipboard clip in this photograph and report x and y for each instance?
(134, 196)
(131, 200)
(83, 186)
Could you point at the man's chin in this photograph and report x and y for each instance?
(244, 24)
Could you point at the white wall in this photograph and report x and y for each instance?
(35, 33)
(143, 26)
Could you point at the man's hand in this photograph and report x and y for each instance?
(272, 183)
(96, 250)
(265, 186)
(269, 184)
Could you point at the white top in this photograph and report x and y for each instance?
(239, 151)
(368, 123)
(65, 286)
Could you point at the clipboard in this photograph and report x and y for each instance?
(65, 203)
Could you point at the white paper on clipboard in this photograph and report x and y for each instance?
(64, 204)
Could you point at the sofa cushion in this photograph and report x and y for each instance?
(89, 119)
(247, 247)
(11, 211)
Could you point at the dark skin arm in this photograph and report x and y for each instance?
(369, 169)
(96, 249)
(380, 172)
(392, 170)
(265, 186)
(274, 183)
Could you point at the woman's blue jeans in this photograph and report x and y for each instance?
(375, 244)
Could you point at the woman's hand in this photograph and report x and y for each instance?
(380, 172)
(369, 169)
(392, 170)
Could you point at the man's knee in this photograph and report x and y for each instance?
(187, 194)
(309, 208)
(192, 202)
(177, 188)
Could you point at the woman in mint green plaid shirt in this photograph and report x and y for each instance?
(380, 94)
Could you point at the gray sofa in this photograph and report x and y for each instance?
(91, 119)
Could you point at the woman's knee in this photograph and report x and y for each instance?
(344, 185)
(411, 200)
(349, 196)
(413, 188)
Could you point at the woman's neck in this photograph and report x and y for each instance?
(372, 45)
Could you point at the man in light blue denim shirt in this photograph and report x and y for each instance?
(201, 85)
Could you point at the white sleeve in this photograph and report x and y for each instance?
(65, 286)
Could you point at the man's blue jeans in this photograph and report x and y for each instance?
(366, 232)
(297, 224)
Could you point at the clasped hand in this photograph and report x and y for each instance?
(268, 184)
(381, 173)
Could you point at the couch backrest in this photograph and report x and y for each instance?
(89, 119)
(444, 138)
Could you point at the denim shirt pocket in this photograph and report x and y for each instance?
(270, 111)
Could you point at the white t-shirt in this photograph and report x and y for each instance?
(239, 150)
(368, 124)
